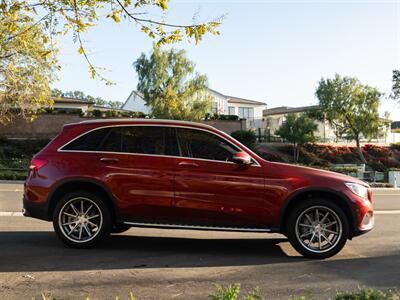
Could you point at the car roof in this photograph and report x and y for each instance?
(142, 121)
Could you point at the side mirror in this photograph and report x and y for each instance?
(242, 158)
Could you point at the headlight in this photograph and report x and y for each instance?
(358, 189)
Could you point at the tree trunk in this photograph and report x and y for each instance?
(360, 151)
(295, 150)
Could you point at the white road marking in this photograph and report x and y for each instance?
(11, 214)
(11, 190)
(387, 212)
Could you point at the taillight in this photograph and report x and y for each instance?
(37, 163)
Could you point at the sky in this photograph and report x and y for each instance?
(270, 51)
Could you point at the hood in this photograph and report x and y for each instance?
(313, 173)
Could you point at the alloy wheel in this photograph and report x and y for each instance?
(318, 229)
(80, 220)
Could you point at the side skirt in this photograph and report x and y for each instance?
(194, 227)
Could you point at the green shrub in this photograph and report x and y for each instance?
(246, 137)
(367, 294)
(221, 117)
(395, 146)
(13, 175)
(96, 113)
(231, 292)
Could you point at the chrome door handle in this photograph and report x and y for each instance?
(186, 164)
(109, 160)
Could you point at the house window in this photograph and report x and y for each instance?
(215, 107)
(231, 110)
(246, 113)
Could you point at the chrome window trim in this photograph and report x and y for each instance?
(256, 163)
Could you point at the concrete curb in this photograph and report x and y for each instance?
(12, 181)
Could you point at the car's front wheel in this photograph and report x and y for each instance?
(81, 219)
(318, 228)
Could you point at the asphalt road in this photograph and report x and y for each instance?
(179, 264)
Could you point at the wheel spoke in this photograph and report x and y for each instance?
(331, 231)
(309, 219)
(312, 238)
(82, 212)
(330, 224)
(319, 241)
(316, 216)
(87, 230)
(80, 232)
(326, 239)
(69, 223)
(306, 233)
(87, 211)
(94, 225)
(74, 209)
(73, 228)
(92, 217)
(324, 217)
(70, 215)
(306, 225)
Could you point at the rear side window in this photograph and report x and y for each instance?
(89, 141)
(152, 140)
(143, 140)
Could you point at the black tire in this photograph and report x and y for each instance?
(310, 230)
(98, 213)
(120, 228)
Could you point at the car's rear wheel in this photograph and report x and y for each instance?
(82, 219)
(318, 228)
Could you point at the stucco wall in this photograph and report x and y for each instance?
(48, 126)
(227, 126)
(45, 126)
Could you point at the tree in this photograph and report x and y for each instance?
(351, 107)
(246, 137)
(29, 31)
(60, 17)
(82, 96)
(396, 85)
(298, 130)
(171, 87)
(27, 65)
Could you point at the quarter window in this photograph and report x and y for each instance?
(200, 144)
(88, 142)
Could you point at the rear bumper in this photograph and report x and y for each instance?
(35, 210)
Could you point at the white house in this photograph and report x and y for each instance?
(135, 102)
(250, 110)
(276, 116)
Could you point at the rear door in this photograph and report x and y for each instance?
(142, 176)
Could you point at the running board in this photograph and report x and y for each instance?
(214, 228)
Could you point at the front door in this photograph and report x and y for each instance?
(211, 190)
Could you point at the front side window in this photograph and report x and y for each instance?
(201, 144)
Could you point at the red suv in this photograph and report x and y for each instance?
(104, 176)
